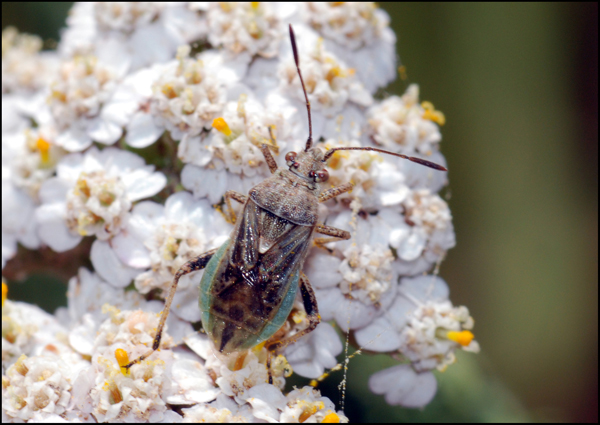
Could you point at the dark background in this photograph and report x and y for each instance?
(518, 84)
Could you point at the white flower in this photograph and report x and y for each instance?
(306, 405)
(421, 324)
(377, 181)
(86, 295)
(402, 386)
(163, 238)
(192, 384)
(143, 33)
(109, 391)
(249, 28)
(237, 383)
(230, 154)
(402, 124)
(358, 33)
(36, 385)
(25, 69)
(27, 329)
(92, 195)
(13, 120)
(86, 104)
(425, 236)
(29, 158)
(335, 93)
(18, 221)
(223, 410)
(112, 395)
(315, 352)
(186, 96)
(209, 414)
(358, 279)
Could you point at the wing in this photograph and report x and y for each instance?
(250, 287)
(282, 261)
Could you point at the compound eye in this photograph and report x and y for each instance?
(322, 176)
(290, 157)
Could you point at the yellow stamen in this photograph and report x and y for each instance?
(259, 347)
(58, 95)
(433, 115)
(4, 292)
(298, 317)
(331, 418)
(123, 360)
(334, 72)
(463, 338)
(255, 4)
(81, 187)
(311, 410)
(221, 125)
(44, 147)
(20, 365)
(169, 91)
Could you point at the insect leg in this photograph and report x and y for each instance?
(195, 264)
(312, 314)
(236, 196)
(334, 234)
(268, 156)
(335, 191)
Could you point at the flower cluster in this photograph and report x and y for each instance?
(129, 134)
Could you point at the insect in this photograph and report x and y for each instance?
(251, 281)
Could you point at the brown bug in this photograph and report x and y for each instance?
(250, 282)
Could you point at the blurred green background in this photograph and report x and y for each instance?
(518, 84)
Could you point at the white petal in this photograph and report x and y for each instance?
(82, 336)
(104, 131)
(142, 185)
(185, 303)
(114, 53)
(328, 301)
(378, 336)
(194, 382)
(53, 190)
(52, 228)
(131, 250)
(145, 216)
(266, 401)
(142, 131)
(9, 247)
(403, 386)
(322, 270)
(121, 106)
(316, 351)
(179, 205)
(354, 314)
(412, 246)
(73, 140)
(199, 344)
(424, 288)
(109, 267)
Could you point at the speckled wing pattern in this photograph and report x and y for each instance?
(254, 284)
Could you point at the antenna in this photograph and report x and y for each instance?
(295, 50)
(410, 158)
